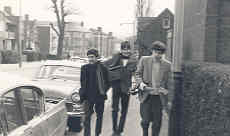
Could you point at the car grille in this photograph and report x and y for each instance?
(69, 106)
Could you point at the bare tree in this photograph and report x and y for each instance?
(143, 8)
(61, 11)
(139, 8)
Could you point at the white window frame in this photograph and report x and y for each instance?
(163, 23)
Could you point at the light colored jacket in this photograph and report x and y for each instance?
(144, 74)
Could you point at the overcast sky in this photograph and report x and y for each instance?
(106, 13)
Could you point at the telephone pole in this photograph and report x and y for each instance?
(19, 35)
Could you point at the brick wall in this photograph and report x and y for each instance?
(194, 29)
(223, 43)
(207, 30)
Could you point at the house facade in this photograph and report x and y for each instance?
(150, 29)
(7, 33)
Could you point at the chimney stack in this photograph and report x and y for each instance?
(82, 24)
(99, 29)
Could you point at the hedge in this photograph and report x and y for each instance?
(9, 57)
(206, 99)
(32, 56)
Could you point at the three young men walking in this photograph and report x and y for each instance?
(152, 77)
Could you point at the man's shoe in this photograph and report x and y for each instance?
(121, 134)
(115, 134)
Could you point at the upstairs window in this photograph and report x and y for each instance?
(166, 23)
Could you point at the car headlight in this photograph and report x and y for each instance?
(75, 97)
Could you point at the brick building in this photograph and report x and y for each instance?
(207, 30)
(150, 29)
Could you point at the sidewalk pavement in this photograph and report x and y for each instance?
(132, 126)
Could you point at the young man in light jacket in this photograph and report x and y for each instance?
(153, 76)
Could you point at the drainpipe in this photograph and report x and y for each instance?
(175, 119)
(218, 24)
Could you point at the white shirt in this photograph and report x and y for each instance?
(124, 62)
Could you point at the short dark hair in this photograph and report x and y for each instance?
(93, 52)
(157, 45)
(125, 45)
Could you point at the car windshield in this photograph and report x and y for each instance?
(62, 72)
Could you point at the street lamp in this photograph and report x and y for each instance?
(134, 27)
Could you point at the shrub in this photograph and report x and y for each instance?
(52, 57)
(206, 99)
(9, 57)
(32, 55)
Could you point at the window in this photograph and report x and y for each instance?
(166, 23)
(32, 102)
(20, 105)
(63, 72)
(46, 71)
(13, 112)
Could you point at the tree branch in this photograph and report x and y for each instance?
(62, 7)
(55, 30)
(56, 11)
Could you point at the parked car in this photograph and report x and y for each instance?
(61, 79)
(25, 112)
(84, 60)
(75, 58)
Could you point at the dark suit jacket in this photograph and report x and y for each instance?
(126, 72)
(85, 92)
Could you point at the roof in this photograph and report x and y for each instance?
(165, 11)
(62, 63)
(12, 81)
(75, 27)
(6, 18)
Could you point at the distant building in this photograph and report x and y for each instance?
(150, 29)
(30, 34)
(102, 41)
(8, 30)
(44, 38)
(77, 39)
(11, 26)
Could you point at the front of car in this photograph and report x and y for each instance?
(63, 82)
(24, 109)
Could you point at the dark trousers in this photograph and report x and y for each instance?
(151, 112)
(118, 97)
(89, 110)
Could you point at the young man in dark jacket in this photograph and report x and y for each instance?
(122, 86)
(94, 85)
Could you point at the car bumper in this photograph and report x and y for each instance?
(75, 114)
(75, 123)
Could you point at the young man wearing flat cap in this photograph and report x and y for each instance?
(94, 85)
(152, 76)
(121, 86)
